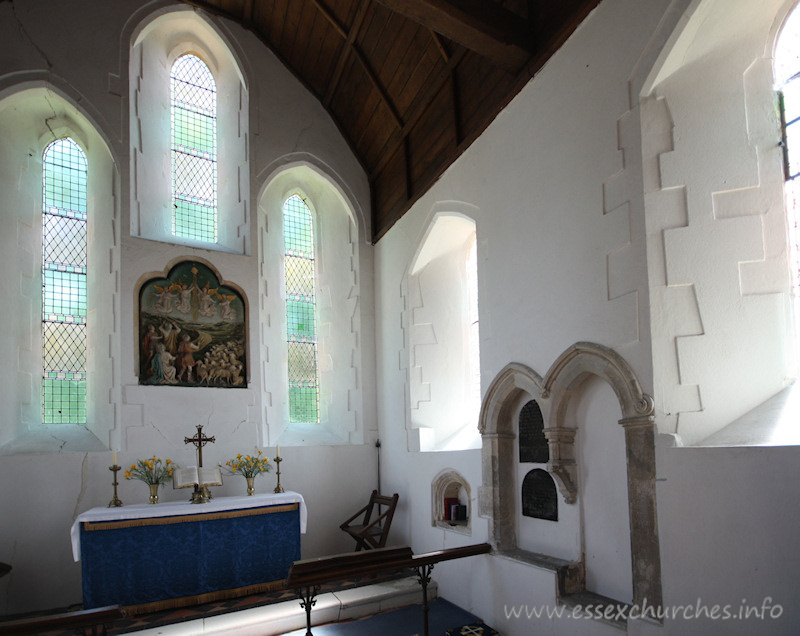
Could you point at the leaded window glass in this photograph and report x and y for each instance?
(64, 284)
(194, 150)
(301, 328)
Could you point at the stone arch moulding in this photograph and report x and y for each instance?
(448, 483)
(553, 394)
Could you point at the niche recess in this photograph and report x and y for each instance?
(449, 484)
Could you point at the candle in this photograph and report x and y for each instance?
(277, 451)
(114, 459)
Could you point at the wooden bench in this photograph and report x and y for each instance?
(306, 576)
(79, 621)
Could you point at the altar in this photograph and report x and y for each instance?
(148, 557)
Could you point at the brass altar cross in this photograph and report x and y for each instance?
(199, 440)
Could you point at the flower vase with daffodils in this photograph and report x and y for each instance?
(154, 472)
(248, 467)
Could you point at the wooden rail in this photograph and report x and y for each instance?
(78, 621)
(306, 576)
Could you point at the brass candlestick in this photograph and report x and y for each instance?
(278, 488)
(115, 502)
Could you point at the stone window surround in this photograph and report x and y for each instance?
(496, 496)
(448, 483)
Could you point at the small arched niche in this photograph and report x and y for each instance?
(539, 497)
(449, 489)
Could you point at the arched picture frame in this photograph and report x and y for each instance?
(191, 329)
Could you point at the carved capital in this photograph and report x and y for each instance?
(566, 476)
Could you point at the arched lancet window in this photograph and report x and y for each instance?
(442, 336)
(301, 329)
(64, 283)
(194, 150)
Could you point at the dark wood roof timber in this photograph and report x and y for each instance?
(410, 83)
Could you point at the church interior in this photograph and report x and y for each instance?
(295, 227)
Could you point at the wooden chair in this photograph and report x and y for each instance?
(372, 532)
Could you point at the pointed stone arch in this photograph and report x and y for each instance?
(553, 394)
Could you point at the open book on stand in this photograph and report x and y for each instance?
(194, 476)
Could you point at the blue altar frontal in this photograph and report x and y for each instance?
(151, 557)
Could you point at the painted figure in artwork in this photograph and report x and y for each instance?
(206, 301)
(226, 312)
(164, 303)
(158, 372)
(167, 367)
(149, 342)
(170, 335)
(185, 358)
(185, 302)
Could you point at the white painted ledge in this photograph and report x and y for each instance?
(775, 422)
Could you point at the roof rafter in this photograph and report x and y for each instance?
(482, 26)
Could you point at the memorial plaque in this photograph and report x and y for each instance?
(539, 499)
(532, 442)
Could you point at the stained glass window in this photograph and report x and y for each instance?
(64, 284)
(194, 150)
(301, 329)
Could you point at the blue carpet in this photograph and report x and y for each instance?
(406, 621)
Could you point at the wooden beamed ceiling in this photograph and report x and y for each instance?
(410, 83)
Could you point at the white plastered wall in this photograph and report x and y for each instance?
(716, 223)
(441, 413)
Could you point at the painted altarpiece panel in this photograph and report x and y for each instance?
(192, 329)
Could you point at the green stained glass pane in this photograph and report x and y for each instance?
(297, 227)
(303, 404)
(194, 130)
(300, 319)
(65, 176)
(64, 293)
(63, 401)
(194, 220)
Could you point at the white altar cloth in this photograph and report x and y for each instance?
(175, 508)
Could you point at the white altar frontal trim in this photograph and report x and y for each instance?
(176, 508)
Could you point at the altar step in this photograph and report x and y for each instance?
(288, 616)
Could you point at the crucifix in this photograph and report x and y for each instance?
(199, 440)
(201, 493)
